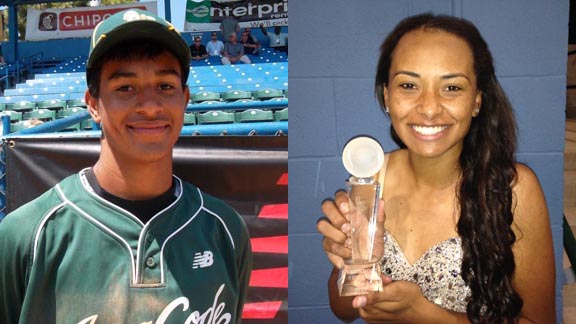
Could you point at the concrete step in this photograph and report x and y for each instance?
(570, 189)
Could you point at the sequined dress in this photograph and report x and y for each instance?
(437, 272)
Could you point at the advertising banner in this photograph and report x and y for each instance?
(206, 15)
(248, 172)
(54, 23)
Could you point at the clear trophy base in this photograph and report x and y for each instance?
(359, 279)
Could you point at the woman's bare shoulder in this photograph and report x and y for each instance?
(530, 210)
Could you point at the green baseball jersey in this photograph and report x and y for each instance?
(70, 256)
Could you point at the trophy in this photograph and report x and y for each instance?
(363, 157)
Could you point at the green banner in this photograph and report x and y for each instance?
(198, 11)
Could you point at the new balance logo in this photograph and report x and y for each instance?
(203, 259)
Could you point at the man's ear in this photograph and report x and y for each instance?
(92, 104)
(187, 95)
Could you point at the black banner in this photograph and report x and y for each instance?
(250, 173)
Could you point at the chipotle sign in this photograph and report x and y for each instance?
(52, 23)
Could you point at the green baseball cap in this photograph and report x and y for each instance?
(137, 24)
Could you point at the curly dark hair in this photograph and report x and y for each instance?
(488, 172)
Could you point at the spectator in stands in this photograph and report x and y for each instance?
(278, 40)
(126, 241)
(250, 47)
(228, 26)
(215, 47)
(234, 52)
(467, 231)
(254, 38)
(197, 50)
(249, 31)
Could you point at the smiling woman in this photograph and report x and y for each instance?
(431, 94)
(454, 184)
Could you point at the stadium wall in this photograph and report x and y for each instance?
(333, 59)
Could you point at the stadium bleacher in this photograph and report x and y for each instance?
(220, 95)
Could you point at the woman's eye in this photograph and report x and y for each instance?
(453, 88)
(407, 86)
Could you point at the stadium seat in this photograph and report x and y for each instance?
(22, 106)
(41, 114)
(15, 116)
(69, 112)
(189, 119)
(254, 115)
(281, 115)
(233, 95)
(216, 117)
(205, 96)
(52, 104)
(76, 103)
(86, 124)
(18, 126)
(268, 94)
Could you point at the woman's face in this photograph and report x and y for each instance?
(431, 93)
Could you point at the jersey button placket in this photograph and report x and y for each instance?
(151, 267)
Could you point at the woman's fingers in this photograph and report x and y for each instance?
(336, 248)
(328, 230)
(333, 213)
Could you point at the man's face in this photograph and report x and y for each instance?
(197, 42)
(233, 39)
(214, 37)
(140, 108)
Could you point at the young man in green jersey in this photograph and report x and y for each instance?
(126, 241)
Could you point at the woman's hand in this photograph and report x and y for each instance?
(334, 227)
(399, 302)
